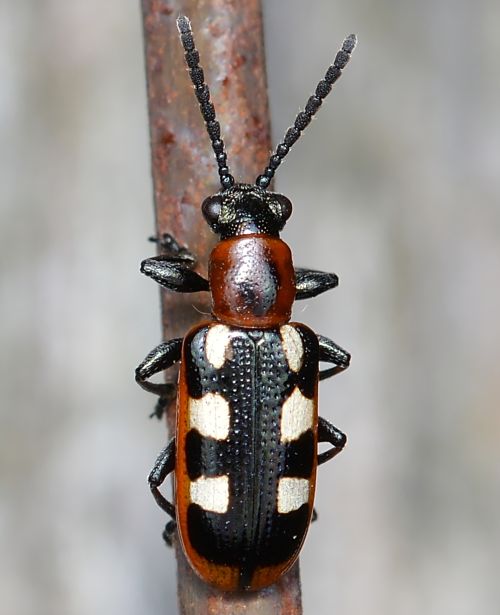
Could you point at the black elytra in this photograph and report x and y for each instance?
(255, 381)
(245, 451)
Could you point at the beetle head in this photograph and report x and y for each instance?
(244, 209)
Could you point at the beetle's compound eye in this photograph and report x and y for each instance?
(211, 209)
(281, 208)
(286, 207)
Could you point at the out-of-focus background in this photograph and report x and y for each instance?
(396, 187)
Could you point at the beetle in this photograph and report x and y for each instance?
(245, 451)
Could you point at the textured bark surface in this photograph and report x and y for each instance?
(230, 41)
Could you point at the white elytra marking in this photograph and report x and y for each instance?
(292, 493)
(211, 494)
(218, 344)
(297, 416)
(210, 416)
(292, 346)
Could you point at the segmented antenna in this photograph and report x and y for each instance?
(304, 117)
(203, 95)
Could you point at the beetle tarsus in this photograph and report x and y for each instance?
(169, 246)
(169, 533)
(163, 402)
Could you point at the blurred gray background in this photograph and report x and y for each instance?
(396, 188)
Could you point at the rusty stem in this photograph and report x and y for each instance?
(230, 40)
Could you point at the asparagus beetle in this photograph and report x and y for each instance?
(245, 449)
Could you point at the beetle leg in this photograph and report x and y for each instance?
(330, 352)
(164, 465)
(310, 283)
(163, 401)
(173, 267)
(168, 533)
(328, 433)
(159, 359)
(174, 273)
(169, 246)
